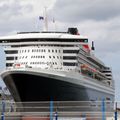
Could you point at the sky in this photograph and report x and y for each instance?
(99, 20)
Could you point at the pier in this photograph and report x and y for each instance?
(59, 110)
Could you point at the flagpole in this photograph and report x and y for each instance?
(54, 24)
(45, 20)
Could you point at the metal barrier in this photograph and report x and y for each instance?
(59, 110)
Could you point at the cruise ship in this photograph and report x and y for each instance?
(61, 66)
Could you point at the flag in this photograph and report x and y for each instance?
(41, 18)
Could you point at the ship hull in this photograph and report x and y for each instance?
(39, 88)
(27, 86)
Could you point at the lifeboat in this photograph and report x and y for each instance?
(88, 68)
(18, 65)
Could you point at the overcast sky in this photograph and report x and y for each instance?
(97, 19)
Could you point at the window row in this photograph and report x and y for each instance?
(48, 63)
(37, 56)
(24, 51)
(45, 40)
(22, 57)
(41, 50)
(58, 57)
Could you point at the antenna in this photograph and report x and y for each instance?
(93, 48)
(45, 20)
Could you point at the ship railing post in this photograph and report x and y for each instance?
(51, 109)
(116, 111)
(103, 109)
(3, 110)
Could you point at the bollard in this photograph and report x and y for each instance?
(2, 116)
(56, 116)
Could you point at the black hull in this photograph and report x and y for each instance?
(28, 87)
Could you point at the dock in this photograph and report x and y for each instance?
(59, 110)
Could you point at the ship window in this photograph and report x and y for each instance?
(70, 51)
(53, 56)
(59, 51)
(9, 58)
(49, 56)
(69, 64)
(48, 50)
(107, 98)
(9, 64)
(11, 52)
(69, 57)
(56, 51)
(52, 50)
(57, 57)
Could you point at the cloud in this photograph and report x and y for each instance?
(79, 10)
(13, 8)
(22, 15)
